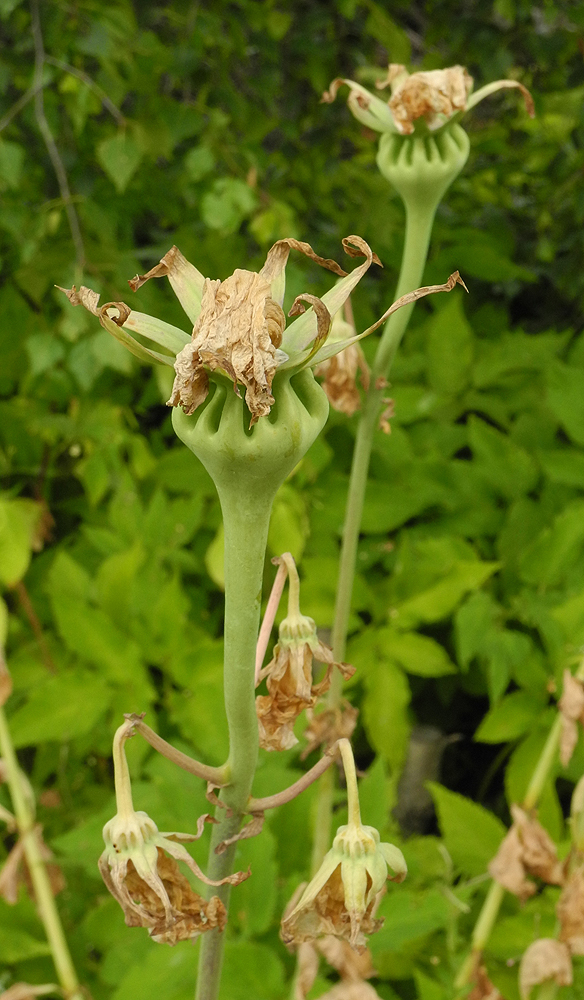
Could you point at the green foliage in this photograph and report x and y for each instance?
(469, 600)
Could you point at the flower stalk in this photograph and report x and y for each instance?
(45, 900)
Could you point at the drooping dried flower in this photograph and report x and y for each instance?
(571, 706)
(433, 97)
(146, 882)
(341, 898)
(328, 726)
(545, 959)
(526, 850)
(291, 688)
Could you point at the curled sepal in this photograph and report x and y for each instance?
(366, 107)
(186, 281)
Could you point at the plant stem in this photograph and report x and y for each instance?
(246, 519)
(351, 781)
(218, 776)
(42, 887)
(417, 238)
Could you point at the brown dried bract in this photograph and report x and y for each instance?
(328, 726)
(544, 959)
(291, 689)
(191, 914)
(526, 850)
(483, 988)
(571, 706)
(340, 378)
(427, 95)
(570, 911)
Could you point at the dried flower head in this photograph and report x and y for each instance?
(341, 898)
(432, 98)
(570, 911)
(328, 726)
(139, 867)
(526, 850)
(544, 960)
(571, 706)
(290, 683)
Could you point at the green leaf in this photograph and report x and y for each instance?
(473, 622)
(18, 946)
(120, 156)
(166, 973)
(199, 162)
(556, 549)
(511, 718)
(289, 525)
(418, 654)
(256, 903)
(449, 347)
(385, 709)
(428, 989)
(11, 163)
(565, 397)
(251, 970)
(472, 834)
(18, 524)
(61, 709)
(439, 601)
(508, 468)
(409, 914)
(227, 204)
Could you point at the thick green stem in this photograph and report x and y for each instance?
(42, 887)
(418, 230)
(246, 520)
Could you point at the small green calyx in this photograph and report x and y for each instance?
(422, 167)
(254, 461)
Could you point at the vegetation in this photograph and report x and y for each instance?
(127, 129)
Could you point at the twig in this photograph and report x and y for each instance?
(271, 609)
(216, 775)
(281, 798)
(27, 607)
(49, 140)
(19, 105)
(89, 82)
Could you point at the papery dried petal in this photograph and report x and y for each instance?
(429, 95)
(328, 726)
(544, 959)
(326, 913)
(352, 990)
(353, 966)
(84, 297)
(571, 706)
(306, 970)
(570, 911)
(340, 378)
(191, 915)
(507, 867)
(539, 851)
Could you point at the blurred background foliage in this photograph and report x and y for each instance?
(199, 124)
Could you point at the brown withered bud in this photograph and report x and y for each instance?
(544, 960)
(526, 850)
(328, 726)
(571, 706)
(291, 687)
(570, 911)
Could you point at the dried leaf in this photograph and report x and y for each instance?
(570, 912)
(84, 297)
(526, 850)
(483, 988)
(544, 959)
(277, 258)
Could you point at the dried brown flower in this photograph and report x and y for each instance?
(340, 378)
(526, 850)
(328, 726)
(570, 912)
(427, 95)
(544, 959)
(571, 706)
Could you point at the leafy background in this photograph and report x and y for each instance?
(470, 595)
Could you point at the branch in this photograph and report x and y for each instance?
(216, 775)
(49, 140)
(18, 106)
(281, 798)
(89, 82)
